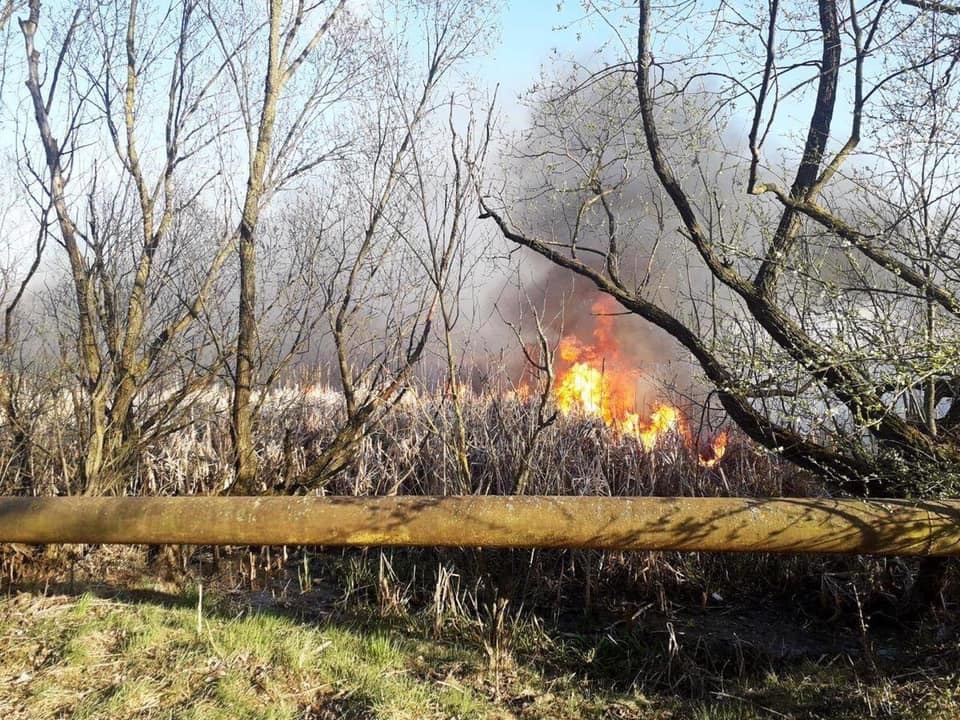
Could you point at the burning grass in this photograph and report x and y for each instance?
(596, 380)
(412, 450)
(462, 633)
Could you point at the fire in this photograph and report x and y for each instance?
(582, 389)
(663, 419)
(598, 382)
(520, 393)
(713, 453)
(595, 380)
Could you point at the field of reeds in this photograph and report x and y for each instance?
(411, 451)
(464, 632)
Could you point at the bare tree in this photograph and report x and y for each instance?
(381, 309)
(118, 239)
(212, 113)
(540, 355)
(804, 313)
(273, 163)
(13, 291)
(449, 248)
(14, 284)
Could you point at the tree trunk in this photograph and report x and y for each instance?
(245, 458)
(242, 429)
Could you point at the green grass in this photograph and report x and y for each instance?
(89, 657)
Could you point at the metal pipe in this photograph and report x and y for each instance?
(881, 527)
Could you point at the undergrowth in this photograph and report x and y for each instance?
(209, 646)
(465, 633)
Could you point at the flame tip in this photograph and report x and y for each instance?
(597, 382)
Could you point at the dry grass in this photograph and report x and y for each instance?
(456, 633)
(321, 652)
(410, 452)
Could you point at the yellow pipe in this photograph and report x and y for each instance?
(881, 527)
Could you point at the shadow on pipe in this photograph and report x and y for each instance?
(882, 527)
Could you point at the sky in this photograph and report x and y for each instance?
(533, 34)
(531, 31)
(537, 35)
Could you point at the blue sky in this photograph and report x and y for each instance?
(530, 32)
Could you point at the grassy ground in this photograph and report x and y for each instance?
(95, 633)
(141, 648)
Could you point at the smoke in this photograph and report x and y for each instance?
(578, 175)
(573, 310)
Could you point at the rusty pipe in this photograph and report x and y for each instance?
(881, 527)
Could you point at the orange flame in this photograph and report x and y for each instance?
(714, 452)
(521, 393)
(581, 388)
(597, 381)
(663, 419)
